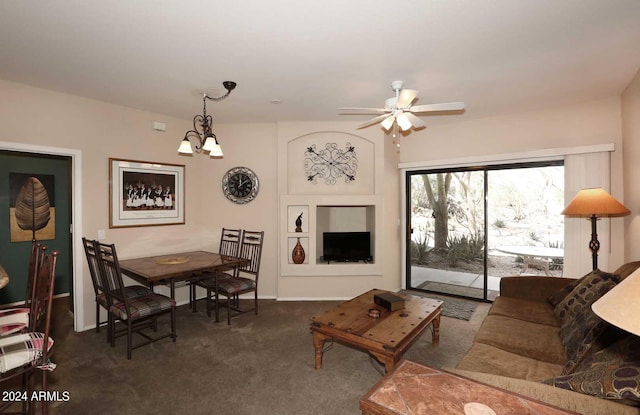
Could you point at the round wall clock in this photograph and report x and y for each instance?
(240, 185)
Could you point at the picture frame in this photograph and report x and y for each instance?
(144, 193)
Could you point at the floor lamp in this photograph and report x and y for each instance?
(594, 203)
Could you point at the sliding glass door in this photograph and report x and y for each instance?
(468, 227)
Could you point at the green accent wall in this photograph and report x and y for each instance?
(14, 256)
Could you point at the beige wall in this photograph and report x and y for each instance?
(631, 143)
(589, 123)
(99, 130)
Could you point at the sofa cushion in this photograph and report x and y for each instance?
(589, 288)
(532, 340)
(527, 310)
(607, 380)
(489, 359)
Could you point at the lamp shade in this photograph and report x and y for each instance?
(388, 122)
(209, 143)
(216, 151)
(595, 201)
(403, 122)
(185, 147)
(621, 305)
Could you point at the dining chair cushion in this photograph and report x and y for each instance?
(209, 281)
(13, 320)
(21, 349)
(143, 306)
(132, 291)
(237, 284)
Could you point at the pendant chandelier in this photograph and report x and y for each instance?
(206, 140)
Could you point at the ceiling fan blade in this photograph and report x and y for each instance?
(449, 106)
(406, 97)
(373, 121)
(415, 121)
(354, 110)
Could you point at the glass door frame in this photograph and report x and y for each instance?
(485, 169)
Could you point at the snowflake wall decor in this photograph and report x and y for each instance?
(331, 163)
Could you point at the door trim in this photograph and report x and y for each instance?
(76, 219)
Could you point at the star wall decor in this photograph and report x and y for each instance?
(330, 163)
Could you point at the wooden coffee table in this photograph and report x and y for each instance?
(386, 337)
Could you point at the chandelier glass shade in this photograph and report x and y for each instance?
(206, 140)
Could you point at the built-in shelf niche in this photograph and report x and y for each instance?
(324, 213)
(344, 219)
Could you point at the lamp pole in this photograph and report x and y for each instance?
(594, 244)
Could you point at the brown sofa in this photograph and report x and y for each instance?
(534, 343)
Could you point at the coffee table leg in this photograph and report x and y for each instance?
(318, 344)
(435, 338)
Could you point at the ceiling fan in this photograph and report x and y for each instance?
(399, 109)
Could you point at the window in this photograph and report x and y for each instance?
(468, 227)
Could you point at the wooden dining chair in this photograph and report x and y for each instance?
(14, 320)
(244, 280)
(131, 291)
(230, 246)
(35, 259)
(25, 354)
(139, 313)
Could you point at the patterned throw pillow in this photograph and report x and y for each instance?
(555, 298)
(626, 349)
(580, 335)
(618, 381)
(585, 293)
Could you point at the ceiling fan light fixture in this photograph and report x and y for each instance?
(403, 122)
(388, 122)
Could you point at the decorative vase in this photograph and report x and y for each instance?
(297, 255)
(299, 223)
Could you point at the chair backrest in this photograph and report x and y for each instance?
(230, 242)
(40, 310)
(110, 274)
(251, 248)
(94, 266)
(35, 260)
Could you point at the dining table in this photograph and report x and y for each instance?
(170, 269)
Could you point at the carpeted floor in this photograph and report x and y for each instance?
(259, 365)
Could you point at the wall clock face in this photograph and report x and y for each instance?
(240, 185)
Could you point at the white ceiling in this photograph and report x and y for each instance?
(316, 56)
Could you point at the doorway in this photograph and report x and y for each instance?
(76, 286)
(49, 177)
(468, 227)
